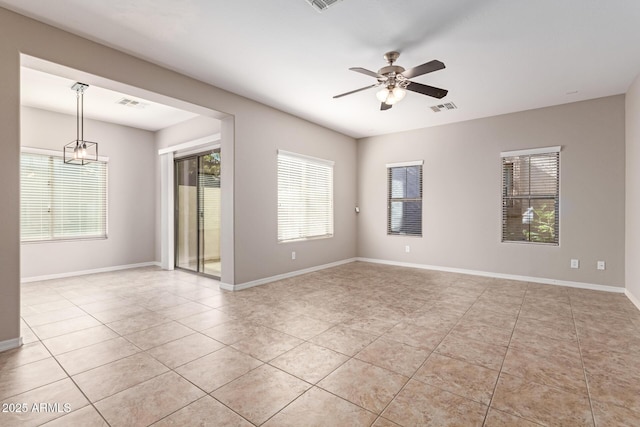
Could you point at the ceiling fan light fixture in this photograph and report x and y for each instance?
(398, 93)
(391, 95)
(391, 99)
(382, 94)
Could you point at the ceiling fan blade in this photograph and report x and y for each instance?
(365, 71)
(354, 91)
(384, 106)
(427, 90)
(429, 67)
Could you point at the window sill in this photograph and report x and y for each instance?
(64, 240)
(303, 239)
(518, 242)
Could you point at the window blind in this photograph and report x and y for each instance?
(61, 201)
(530, 196)
(305, 197)
(404, 202)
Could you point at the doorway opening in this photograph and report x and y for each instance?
(197, 216)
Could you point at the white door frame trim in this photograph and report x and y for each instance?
(167, 201)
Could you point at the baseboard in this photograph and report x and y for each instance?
(10, 344)
(546, 281)
(229, 287)
(226, 286)
(632, 298)
(84, 272)
(259, 282)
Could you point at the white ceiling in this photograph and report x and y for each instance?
(501, 55)
(51, 92)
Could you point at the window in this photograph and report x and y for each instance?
(530, 195)
(305, 197)
(61, 201)
(404, 202)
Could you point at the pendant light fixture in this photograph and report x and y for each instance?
(80, 152)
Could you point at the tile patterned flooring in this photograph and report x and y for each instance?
(359, 344)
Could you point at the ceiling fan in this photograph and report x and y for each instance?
(394, 81)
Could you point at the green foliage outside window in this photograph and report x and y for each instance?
(542, 227)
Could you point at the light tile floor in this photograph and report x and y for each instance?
(360, 344)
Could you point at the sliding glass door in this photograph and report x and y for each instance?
(197, 213)
(209, 202)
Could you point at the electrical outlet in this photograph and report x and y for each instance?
(407, 249)
(600, 265)
(293, 255)
(575, 263)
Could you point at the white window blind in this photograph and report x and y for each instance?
(530, 196)
(61, 201)
(404, 201)
(305, 197)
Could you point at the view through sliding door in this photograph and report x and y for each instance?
(197, 213)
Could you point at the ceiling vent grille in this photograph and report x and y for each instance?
(127, 102)
(444, 107)
(321, 5)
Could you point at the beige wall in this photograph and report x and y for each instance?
(186, 131)
(10, 189)
(259, 131)
(632, 217)
(258, 254)
(131, 202)
(462, 188)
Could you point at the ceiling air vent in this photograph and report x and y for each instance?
(321, 5)
(444, 107)
(131, 103)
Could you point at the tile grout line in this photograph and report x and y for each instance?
(584, 370)
(550, 386)
(77, 387)
(495, 387)
(350, 357)
(379, 415)
(203, 390)
(425, 361)
(251, 370)
(170, 369)
(316, 384)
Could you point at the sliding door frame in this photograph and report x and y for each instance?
(196, 154)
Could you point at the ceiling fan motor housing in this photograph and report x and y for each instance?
(392, 73)
(391, 57)
(389, 69)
